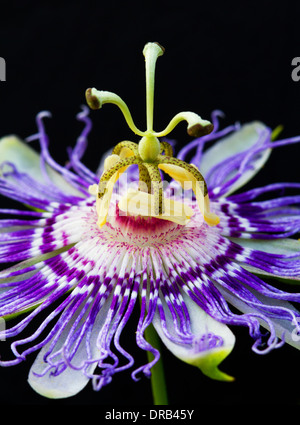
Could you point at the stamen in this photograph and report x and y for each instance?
(150, 154)
(120, 167)
(190, 178)
(144, 179)
(157, 188)
(126, 144)
(114, 165)
(167, 148)
(193, 170)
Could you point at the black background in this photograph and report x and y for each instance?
(219, 55)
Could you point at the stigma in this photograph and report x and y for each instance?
(152, 157)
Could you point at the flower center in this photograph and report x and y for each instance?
(151, 155)
(141, 231)
(138, 230)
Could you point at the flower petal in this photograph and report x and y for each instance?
(280, 247)
(27, 160)
(286, 329)
(72, 380)
(225, 157)
(67, 384)
(200, 353)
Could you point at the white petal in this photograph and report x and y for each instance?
(4, 274)
(70, 381)
(238, 142)
(278, 246)
(281, 326)
(27, 160)
(207, 360)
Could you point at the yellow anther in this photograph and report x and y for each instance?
(136, 203)
(192, 179)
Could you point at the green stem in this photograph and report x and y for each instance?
(276, 132)
(158, 383)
